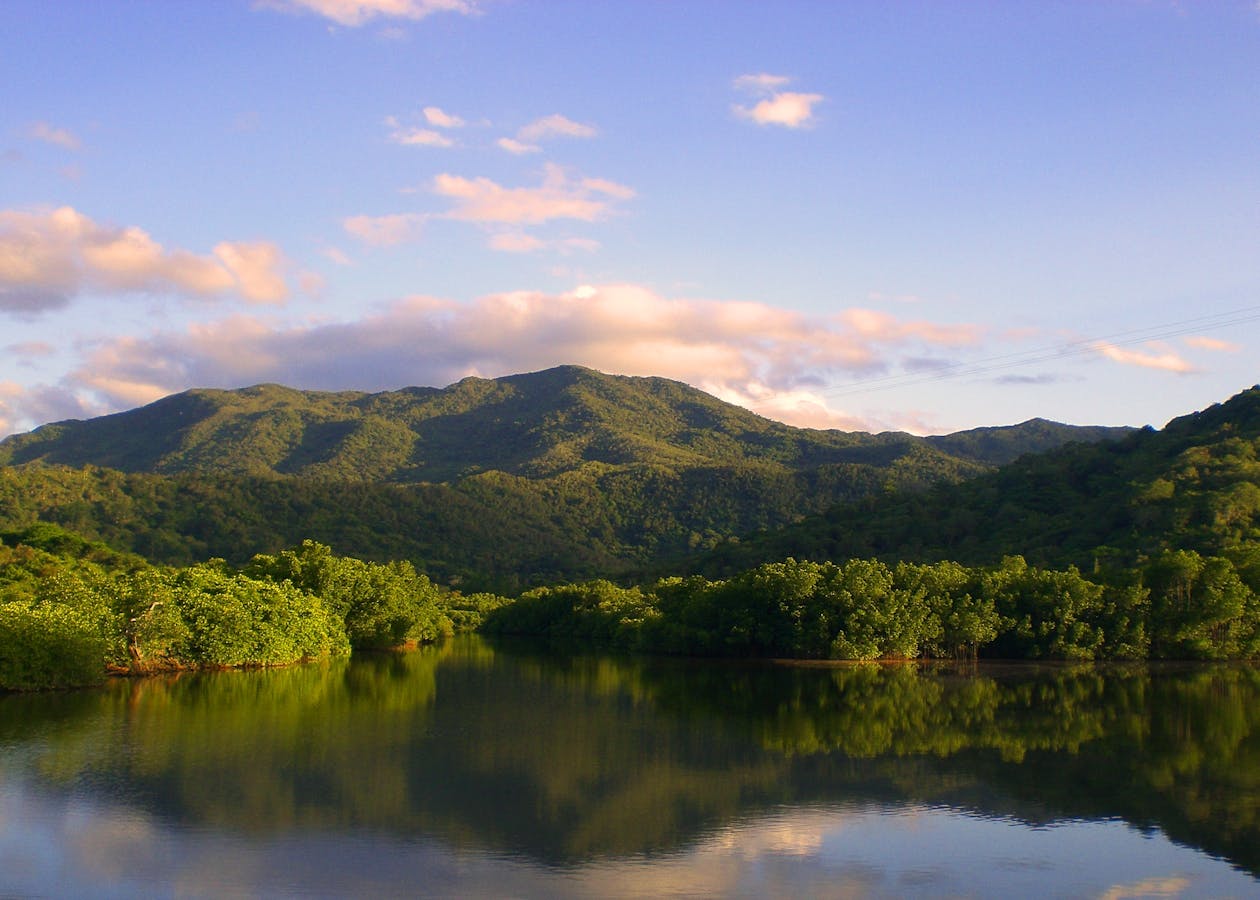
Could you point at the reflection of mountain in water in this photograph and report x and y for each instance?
(567, 759)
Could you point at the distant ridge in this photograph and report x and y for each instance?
(535, 425)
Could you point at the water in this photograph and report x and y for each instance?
(497, 770)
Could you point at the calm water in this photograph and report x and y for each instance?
(473, 769)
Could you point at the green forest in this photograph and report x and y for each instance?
(265, 526)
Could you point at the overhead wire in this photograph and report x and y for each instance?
(1065, 350)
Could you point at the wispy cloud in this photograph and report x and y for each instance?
(769, 359)
(519, 148)
(440, 119)
(555, 126)
(1158, 356)
(518, 242)
(528, 137)
(1201, 342)
(787, 109)
(50, 134)
(384, 231)
(420, 137)
(353, 13)
(558, 197)
(416, 136)
(48, 257)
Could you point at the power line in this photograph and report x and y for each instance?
(1069, 349)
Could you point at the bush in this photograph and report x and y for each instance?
(48, 645)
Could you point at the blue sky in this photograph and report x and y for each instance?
(920, 216)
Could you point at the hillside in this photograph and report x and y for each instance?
(1193, 485)
(537, 425)
(558, 474)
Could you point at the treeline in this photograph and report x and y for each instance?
(72, 611)
(1180, 605)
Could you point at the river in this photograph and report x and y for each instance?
(479, 769)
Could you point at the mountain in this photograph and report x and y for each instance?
(563, 473)
(537, 425)
(1194, 485)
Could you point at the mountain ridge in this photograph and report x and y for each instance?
(533, 424)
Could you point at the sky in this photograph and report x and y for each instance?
(862, 215)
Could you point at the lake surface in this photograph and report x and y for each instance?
(497, 770)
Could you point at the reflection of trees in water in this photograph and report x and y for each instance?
(566, 758)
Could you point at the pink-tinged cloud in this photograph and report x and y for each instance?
(385, 231)
(30, 349)
(517, 148)
(515, 242)
(1201, 342)
(436, 117)
(420, 137)
(761, 83)
(353, 13)
(787, 109)
(559, 197)
(337, 255)
(22, 406)
(1159, 358)
(60, 137)
(519, 242)
(554, 126)
(769, 359)
(47, 257)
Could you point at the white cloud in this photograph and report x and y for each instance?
(353, 13)
(558, 197)
(47, 257)
(771, 360)
(1158, 357)
(439, 119)
(788, 109)
(384, 231)
(50, 134)
(554, 126)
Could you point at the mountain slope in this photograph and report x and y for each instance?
(1193, 485)
(566, 473)
(535, 425)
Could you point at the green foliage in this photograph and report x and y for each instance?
(864, 610)
(495, 485)
(1200, 608)
(234, 620)
(1111, 504)
(48, 645)
(380, 605)
(594, 610)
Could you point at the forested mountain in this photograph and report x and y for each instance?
(536, 425)
(558, 474)
(1194, 485)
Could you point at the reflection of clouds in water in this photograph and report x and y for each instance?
(794, 835)
(1148, 887)
(59, 846)
(124, 847)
